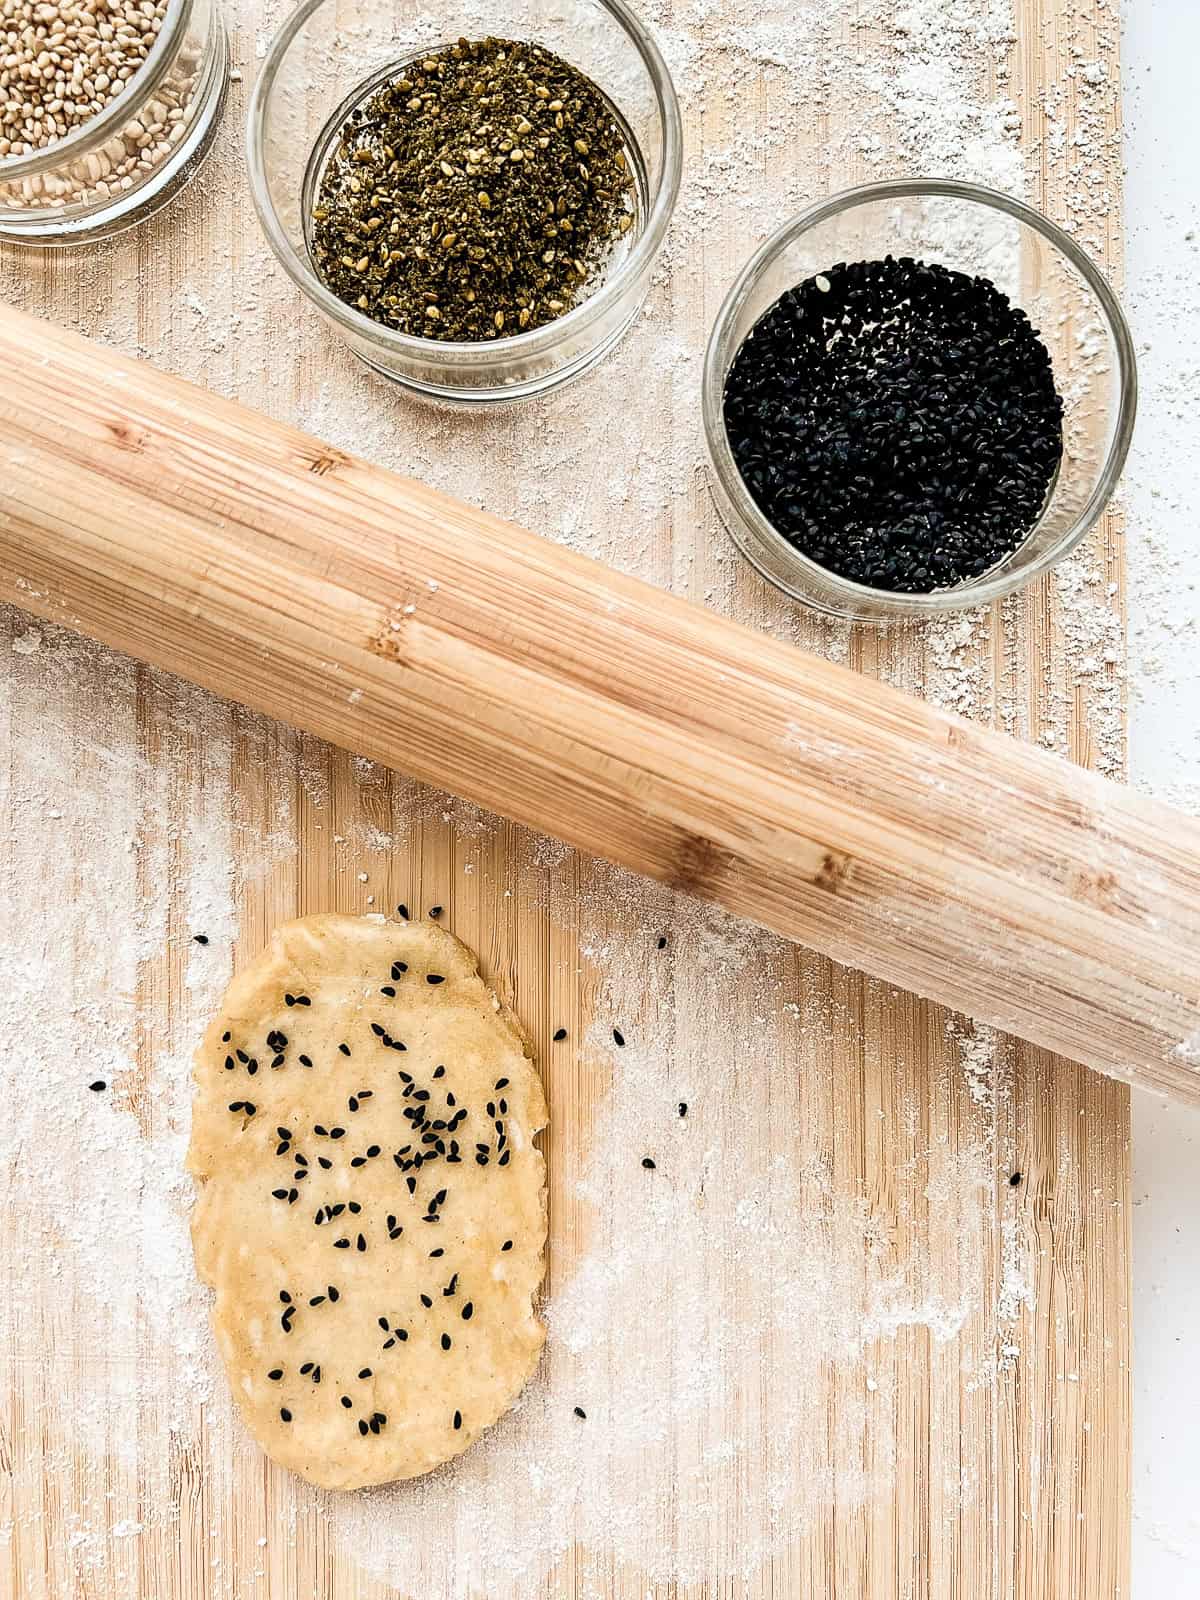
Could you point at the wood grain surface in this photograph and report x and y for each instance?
(972, 1437)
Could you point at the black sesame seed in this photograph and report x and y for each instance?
(662, 941)
(275, 1374)
(306, 1369)
(914, 449)
(435, 912)
(1015, 1179)
(347, 1402)
(345, 1049)
(284, 1414)
(446, 1341)
(457, 1420)
(362, 1427)
(503, 1162)
(333, 1293)
(580, 1412)
(468, 1311)
(226, 1036)
(618, 1036)
(434, 977)
(439, 1072)
(389, 991)
(507, 1245)
(100, 1084)
(403, 911)
(648, 1163)
(683, 1108)
(426, 1301)
(200, 938)
(502, 1083)
(559, 1035)
(306, 1061)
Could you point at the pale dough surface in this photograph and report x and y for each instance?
(355, 1317)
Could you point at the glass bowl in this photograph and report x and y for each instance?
(1042, 270)
(317, 68)
(134, 156)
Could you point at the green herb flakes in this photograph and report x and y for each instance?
(458, 203)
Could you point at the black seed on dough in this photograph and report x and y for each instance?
(275, 1374)
(662, 941)
(648, 1164)
(1015, 1179)
(507, 1245)
(580, 1412)
(284, 1414)
(446, 1341)
(200, 938)
(618, 1036)
(683, 1108)
(347, 1402)
(468, 1311)
(457, 1420)
(345, 1049)
(434, 977)
(100, 1084)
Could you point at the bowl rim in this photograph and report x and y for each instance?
(881, 604)
(115, 114)
(449, 352)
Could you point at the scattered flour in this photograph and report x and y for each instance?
(735, 1322)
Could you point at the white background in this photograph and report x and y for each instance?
(1162, 197)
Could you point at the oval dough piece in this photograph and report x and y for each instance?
(372, 1209)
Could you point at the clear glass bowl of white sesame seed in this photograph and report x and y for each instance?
(107, 108)
(321, 69)
(982, 234)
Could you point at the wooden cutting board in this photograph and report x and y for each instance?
(863, 1332)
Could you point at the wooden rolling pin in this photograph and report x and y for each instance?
(378, 614)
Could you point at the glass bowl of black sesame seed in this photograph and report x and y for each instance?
(472, 198)
(105, 111)
(918, 397)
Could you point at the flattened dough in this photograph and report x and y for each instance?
(372, 1209)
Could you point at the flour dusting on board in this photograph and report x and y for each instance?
(735, 1320)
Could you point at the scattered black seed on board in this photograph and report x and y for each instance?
(559, 1035)
(662, 941)
(435, 912)
(507, 1245)
(683, 1108)
(457, 1420)
(648, 1163)
(285, 1414)
(618, 1036)
(100, 1084)
(896, 421)
(1015, 1179)
(403, 912)
(434, 977)
(200, 938)
(580, 1412)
